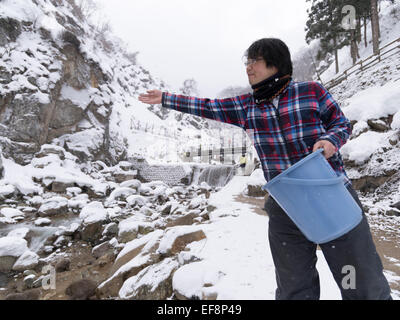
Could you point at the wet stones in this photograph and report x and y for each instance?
(62, 265)
(81, 289)
(33, 294)
(91, 232)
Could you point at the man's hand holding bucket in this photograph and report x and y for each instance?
(329, 148)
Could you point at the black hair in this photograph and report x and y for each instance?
(275, 53)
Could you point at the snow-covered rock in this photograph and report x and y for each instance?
(130, 228)
(22, 233)
(133, 183)
(176, 238)
(93, 212)
(136, 246)
(135, 256)
(73, 191)
(11, 213)
(255, 182)
(28, 260)
(7, 190)
(152, 283)
(53, 206)
(122, 192)
(11, 248)
(360, 149)
(79, 201)
(42, 222)
(36, 201)
(195, 281)
(197, 202)
(136, 199)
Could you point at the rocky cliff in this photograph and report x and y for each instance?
(66, 82)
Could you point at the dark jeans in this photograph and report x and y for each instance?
(352, 259)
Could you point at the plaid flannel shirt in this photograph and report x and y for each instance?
(282, 136)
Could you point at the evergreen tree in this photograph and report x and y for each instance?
(324, 23)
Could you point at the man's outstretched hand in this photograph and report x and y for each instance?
(329, 148)
(152, 97)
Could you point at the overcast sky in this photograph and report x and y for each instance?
(203, 39)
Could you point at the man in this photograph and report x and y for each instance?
(291, 120)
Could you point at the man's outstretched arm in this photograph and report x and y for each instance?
(228, 110)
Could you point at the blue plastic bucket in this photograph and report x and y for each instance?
(315, 198)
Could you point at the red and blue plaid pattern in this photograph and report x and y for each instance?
(282, 136)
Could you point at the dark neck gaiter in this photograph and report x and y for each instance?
(271, 87)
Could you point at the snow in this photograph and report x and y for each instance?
(53, 203)
(136, 199)
(79, 201)
(73, 191)
(236, 255)
(11, 212)
(134, 183)
(374, 102)
(49, 168)
(396, 121)
(12, 246)
(196, 202)
(41, 97)
(359, 127)
(19, 232)
(257, 178)
(78, 97)
(6, 190)
(119, 192)
(361, 148)
(190, 278)
(19, 9)
(42, 221)
(20, 177)
(93, 212)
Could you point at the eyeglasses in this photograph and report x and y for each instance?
(248, 62)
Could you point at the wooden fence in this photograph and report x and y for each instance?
(366, 63)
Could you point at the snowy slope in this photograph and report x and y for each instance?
(389, 23)
(235, 257)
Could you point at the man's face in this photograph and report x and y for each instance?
(258, 71)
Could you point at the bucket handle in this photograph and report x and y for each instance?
(313, 182)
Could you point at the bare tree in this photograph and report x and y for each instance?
(375, 26)
(189, 87)
(87, 7)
